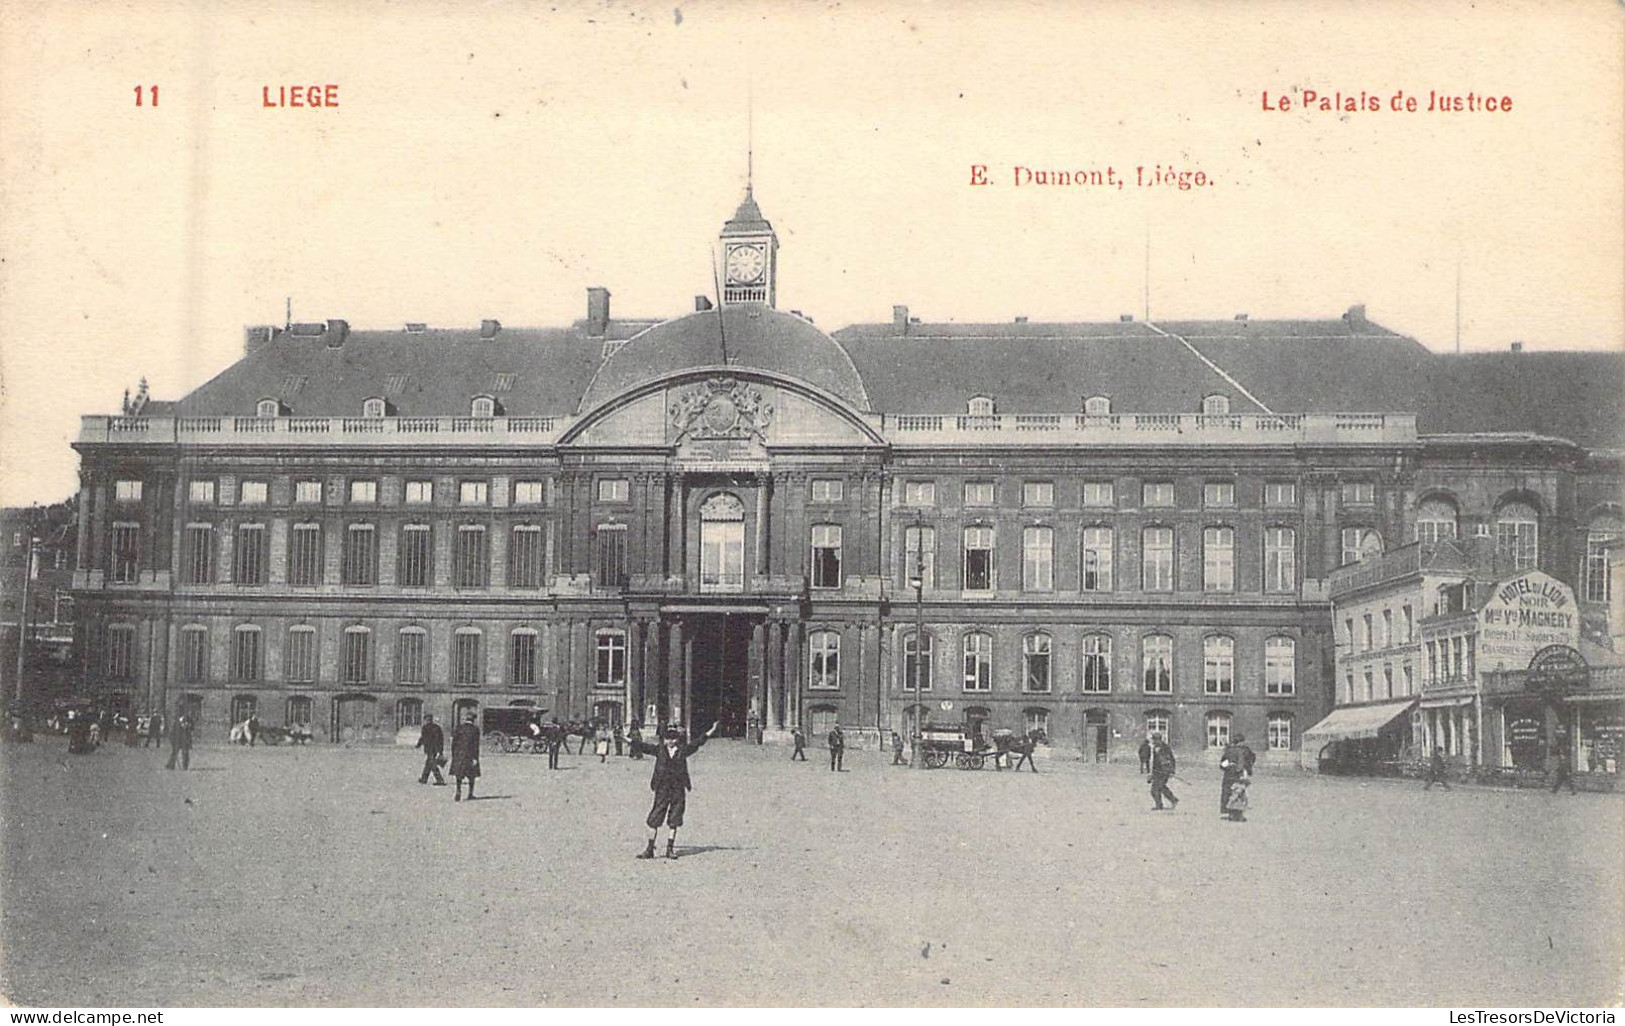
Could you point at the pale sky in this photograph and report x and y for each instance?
(495, 160)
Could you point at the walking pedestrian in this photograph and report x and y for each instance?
(555, 739)
(1162, 765)
(1436, 771)
(180, 742)
(800, 740)
(620, 740)
(155, 731)
(670, 783)
(601, 745)
(1563, 770)
(837, 748)
(433, 742)
(635, 740)
(897, 750)
(1145, 755)
(1237, 764)
(465, 756)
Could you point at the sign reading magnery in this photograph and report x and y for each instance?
(1524, 615)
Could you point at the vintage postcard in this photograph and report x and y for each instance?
(753, 504)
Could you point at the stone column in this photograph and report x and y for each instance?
(686, 720)
(635, 630)
(792, 673)
(759, 560)
(773, 675)
(758, 658)
(674, 671)
(87, 499)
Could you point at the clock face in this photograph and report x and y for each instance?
(745, 264)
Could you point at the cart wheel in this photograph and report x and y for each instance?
(975, 762)
(962, 761)
(497, 741)
(935, 758)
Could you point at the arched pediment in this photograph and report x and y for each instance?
(722, 407)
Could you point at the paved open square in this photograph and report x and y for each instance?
(329, 876)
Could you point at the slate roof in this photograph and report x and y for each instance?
(1300, 366)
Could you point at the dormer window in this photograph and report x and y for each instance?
(1216, 405)
(374, 407)
(268, 408)
(1097, 406)
(980, 406)
(483, 406)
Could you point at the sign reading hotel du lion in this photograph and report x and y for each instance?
(1525, 614)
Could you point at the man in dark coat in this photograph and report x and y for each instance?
(433, 742)
(620, 741)
(180, 742)
(1145, 755)
(155, 731)
(1237, 764)
(555, 737)
(1161, 765)
(800, 740)
(897, 749)
(1562, 769)
(635, 738)
(670, 783)
(837, 748)
(1436, 771)
(465, 756)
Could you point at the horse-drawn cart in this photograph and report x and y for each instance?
(941, 745)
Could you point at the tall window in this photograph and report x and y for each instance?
(470, 568)
(1218, 729)
(1280, 560)
(355, 658)
(126, 553)
(1279, 735)
(194, 653)
(1218, 559)
(1038, 559)
(250, 555)
(611, 545)
(1097, 559)
(978, 559)
(917, 652)
(411, 656)
(467, 656)
(299, 657)
(826, 556)
(1601, 541)
(1157, 664)
(415, 566)
(1097, 663)
(197, 553)
(978, 651)
(305, 556)
(1360, 543)
(408, 713)
(824, 660)
(522, 658)
(611, 664)
(525, 554)
(1280, 666)
(1157, 559)
(1517, 536)
(1035, 658)
(1218, 665)
(360, 554)
(121, 652)
(1435, 521)
(1408, 621)
(920, 549)
(246, 659)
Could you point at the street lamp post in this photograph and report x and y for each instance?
(918, 582)
(22, 619)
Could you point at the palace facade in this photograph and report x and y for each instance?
(1095, 529)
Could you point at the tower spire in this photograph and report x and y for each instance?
(750, 136)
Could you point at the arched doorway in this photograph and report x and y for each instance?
(355, 719)
(1097, 733)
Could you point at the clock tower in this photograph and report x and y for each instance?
(750, 256)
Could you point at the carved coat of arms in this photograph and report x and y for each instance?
(720, 408)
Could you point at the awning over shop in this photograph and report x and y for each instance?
(1446, 703)
(1354, 722)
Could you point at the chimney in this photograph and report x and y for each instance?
(256, 337)
(416, 327)
(899, 320)
(1125, 318)
(489, 329)
(1356, 317)
(1021, 319)
(1242, 318)
(336, 331)
(597, 311)
(702, 304)
(1517, 347)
